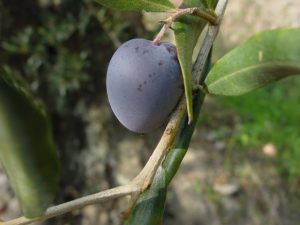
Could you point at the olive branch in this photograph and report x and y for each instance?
(144, 179)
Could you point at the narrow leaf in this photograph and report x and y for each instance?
(187, 31)
(27, 150)
(149, 208)
(264, 58)
(138, 5)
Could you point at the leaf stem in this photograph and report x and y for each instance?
(203, 13)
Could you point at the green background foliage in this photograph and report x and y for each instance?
(270, 115)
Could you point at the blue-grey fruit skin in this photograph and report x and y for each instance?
(144, 84)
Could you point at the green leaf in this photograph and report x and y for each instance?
(149, 208)
(187, 31)
(264, 58)
(27, 151)
(138, 5)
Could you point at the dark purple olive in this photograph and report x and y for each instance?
(144, 84)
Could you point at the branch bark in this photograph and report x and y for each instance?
(78, 204)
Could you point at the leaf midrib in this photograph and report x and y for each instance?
(253, 67)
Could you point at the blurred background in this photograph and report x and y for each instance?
(243, 166)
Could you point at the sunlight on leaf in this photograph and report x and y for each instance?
(263, 59)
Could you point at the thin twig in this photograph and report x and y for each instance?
(195, 11)
(144, 179)
(78, 204)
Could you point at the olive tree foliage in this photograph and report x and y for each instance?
(29, 156)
